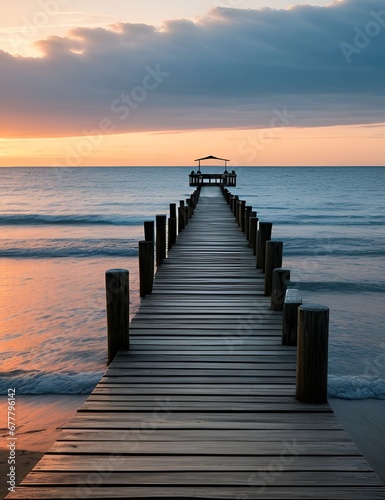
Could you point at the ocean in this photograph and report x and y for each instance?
(61, 229)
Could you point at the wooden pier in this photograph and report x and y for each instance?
(203, 404)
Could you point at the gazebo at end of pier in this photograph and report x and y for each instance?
(224, 179)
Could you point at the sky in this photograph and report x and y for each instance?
(143, 82)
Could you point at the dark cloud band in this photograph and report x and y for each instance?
(230, 69)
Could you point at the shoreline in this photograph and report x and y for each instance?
(39, 419)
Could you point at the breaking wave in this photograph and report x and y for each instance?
(38, 383)
(356, 387)
(68, 220)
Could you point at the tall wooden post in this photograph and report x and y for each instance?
(186, 215)
(172, 224)
(290, 316)
(278, 290)
(196, 197)
(160, 239)
(118, 313)
(146, 267)
(198, 193)
(181, 224)
(274, 251)
(149, 232)
(192, 204)
(312, 353)
(253, 227)
(235, 206)
(264, 235)
(173, 211)
(241, 215)
(248, 210)
(171, 233)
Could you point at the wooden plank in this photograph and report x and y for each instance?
(249, 435)
(118, 463)
(212, 407)
(288, 479)
(219, 420)
(212, 448)
(297, 492)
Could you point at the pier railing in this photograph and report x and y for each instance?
(303, 325)
(223, 180)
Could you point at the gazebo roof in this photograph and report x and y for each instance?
(211, 158)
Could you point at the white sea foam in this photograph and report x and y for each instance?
(49, 383)
(342, 387)
(356, 387)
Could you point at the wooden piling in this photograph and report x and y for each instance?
(264, 235)
(248, 210)
(188, 211)
(290, 316)
(146, 267)
(253, 227)
(273, 260)
(149, 231)
(241, 215)
(192, 204)
(194, 198)
(235, 206)
(197, 193)
(172, 226)
(160, 239)
(171, 233)
(278, 289)
(181, 216)
(312, 353)
(118, 314)
(172, 210)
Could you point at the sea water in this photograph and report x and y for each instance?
(61, 229)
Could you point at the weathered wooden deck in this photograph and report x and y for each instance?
(203, 405)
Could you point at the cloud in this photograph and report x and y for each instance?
(230, 69)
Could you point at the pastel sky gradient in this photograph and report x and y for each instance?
(133, 82)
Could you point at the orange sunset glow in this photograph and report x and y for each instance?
(339, 145)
